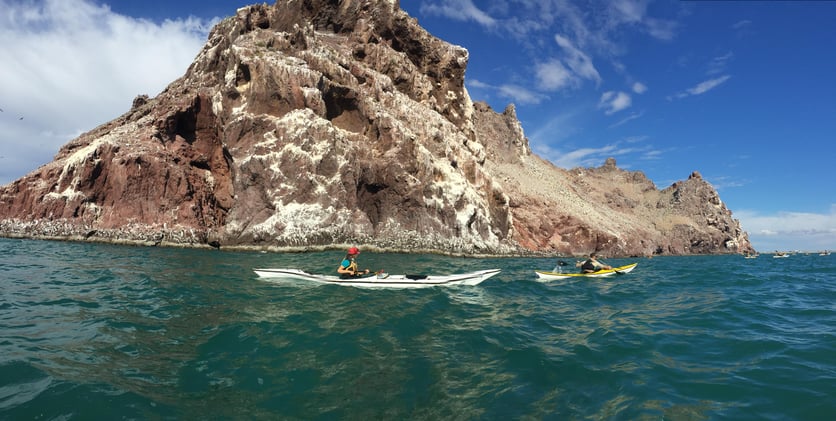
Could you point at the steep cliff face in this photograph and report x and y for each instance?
(321, 123)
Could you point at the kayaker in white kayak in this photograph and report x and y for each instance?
(592, 265)
(348, 267)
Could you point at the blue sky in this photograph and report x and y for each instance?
(743, 92)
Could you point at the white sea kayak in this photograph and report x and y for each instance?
(549, 276)
(382, 280)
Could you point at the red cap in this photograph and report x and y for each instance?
(354, 250)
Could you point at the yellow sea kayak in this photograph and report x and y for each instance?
(550, 276)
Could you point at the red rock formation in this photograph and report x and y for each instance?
(318, 123)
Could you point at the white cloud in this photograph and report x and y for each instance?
(517, 94)
(661, 29)
(718, 64)
(722, 182)
(743, 28)
(67, 66)
(476, 83)
(629, 11)
(553, 75)
(634, 13)
(701, 88)
(586, 157)
(743, 24)
(639, 88)
(585, 35)
(708, 85)
(583, 157)
(613, 102)
(790, 230)
(636, 139)
(652, 155)
(569, 70)
(577, 60)
(630, 117)
(461, 10)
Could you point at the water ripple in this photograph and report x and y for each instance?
(165, 334)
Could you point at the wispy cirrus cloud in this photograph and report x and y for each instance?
(566, 157)
(652, 155)
(743, 24)
(580, 37)
(579, 62)
(726, 182)
(519, 94)
(632, 116)
(708, 85)
(559, 127)
(743, 28)
(701, 87)
(568, 69)
(516, 93)
(582, 157)
(718, 64)
(460, 10)
(634, 13)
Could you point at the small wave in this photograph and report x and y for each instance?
(22, 383)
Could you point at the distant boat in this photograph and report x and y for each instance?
(780, 254)
(825, 253)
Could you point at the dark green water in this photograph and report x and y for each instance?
(92, 331)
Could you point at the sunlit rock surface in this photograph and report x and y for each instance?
(318, 124)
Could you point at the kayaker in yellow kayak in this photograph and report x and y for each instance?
(592, 265)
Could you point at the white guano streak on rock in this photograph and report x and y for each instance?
(452, 183)
(79, 157)
(454, 187)
(217, 103)
(296, 219)
(295, 126)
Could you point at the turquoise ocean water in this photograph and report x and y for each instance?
(95, 331)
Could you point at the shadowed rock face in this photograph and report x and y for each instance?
(320, 123)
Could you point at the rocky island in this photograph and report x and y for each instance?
(315, 124)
